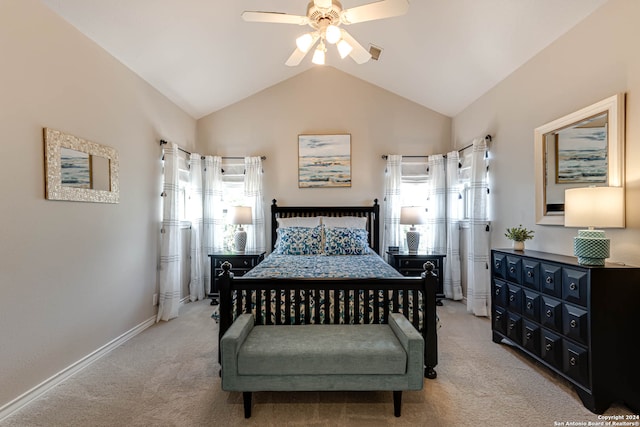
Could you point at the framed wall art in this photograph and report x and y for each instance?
(324, 161)
(79, 170)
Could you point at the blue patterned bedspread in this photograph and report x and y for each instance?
(340, 266)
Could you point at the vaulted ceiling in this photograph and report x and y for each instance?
(443, 54)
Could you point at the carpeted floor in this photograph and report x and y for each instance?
(168, 376)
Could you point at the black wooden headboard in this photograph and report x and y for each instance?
(372, 213)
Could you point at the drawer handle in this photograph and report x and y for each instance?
(512, 325)
(573, 361)
(246, 262)
(528, 335)
(529, 305)
(406, 263)
(573, 323)
(529, 273)
(573, 286)
(497, 264)
(512, 297)
(548, 347)
(512, 270)
(498, 317)
(497, 291)
(549, 279)
(549, 313)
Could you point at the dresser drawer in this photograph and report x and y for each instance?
(514, 328)
(514, 269)
(499, 294)
(551, 280)
(237, 261)
(499, 320)
(531, 336)
(574, 286)
(575, 362)
(415, 263)
(499, 265)
(551, 348)
(531, 274)
(531, 305)
(514, 298)
(551, 313)
(575, 323)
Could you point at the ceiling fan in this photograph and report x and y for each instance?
(325, 18)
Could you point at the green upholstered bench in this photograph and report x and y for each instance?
(322, 357)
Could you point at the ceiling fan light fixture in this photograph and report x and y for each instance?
(344, 48)
(333, 34)
(318, 55)
(323, 4)
(304, 42)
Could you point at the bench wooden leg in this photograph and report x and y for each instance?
(397, 402)
(246, 399)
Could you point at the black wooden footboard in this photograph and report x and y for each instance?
(286, 301)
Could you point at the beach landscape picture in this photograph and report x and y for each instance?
(582, 153)
(324, 161)
(75, 168)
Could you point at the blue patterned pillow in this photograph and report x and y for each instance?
(346, 241)
(299, 241)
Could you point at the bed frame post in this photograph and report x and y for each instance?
(430, 282)
(226, 307)
(376, 228)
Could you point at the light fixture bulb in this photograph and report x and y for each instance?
(304, 42)
(318, 55)
(344, 48)
(333, 34)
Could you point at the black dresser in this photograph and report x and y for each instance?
(240, 265)
(581, 322)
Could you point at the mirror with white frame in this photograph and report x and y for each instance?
(79, 170)
(584, 148)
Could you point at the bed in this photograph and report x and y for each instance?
(325, 267)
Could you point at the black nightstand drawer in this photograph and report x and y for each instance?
(240, 265)
(412, 265)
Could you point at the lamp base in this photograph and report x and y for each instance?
(591, 247)
(413, 241)
(240, 240)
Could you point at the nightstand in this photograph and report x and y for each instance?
(411, 265)
(240, 265)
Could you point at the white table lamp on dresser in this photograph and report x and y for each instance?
(413, 215)
(601, 207)
(240, 215)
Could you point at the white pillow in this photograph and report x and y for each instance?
(311, 221)
(345, 222)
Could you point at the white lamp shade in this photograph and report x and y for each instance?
(333, 34)
(304, 42)
(412, 215)
(318, 56)
(241, 215)
(344, 48)
(598, 207)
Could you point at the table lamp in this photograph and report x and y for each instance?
(601, 207)
(240, 215)
(412, 215)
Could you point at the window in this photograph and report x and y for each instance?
(414, 191)
(233, 195)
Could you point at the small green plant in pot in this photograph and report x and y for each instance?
(518, 234)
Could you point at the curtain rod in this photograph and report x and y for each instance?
(486, 138)
(163, 142)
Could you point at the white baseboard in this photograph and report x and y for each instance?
(37, 391)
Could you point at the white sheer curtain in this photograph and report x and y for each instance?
(196, 216)
(170, 244)
(214, 211)
(392, 202)
(254, 198)
(437, 208)
(452, 284)
(478, 263)
(211, 209)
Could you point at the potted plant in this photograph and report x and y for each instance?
(518, 234)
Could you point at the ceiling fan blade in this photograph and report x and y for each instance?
(378, 10)
(358, 54)
(274, 17)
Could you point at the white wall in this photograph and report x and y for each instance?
(594, 60)
(324, 100)
(73, 276)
